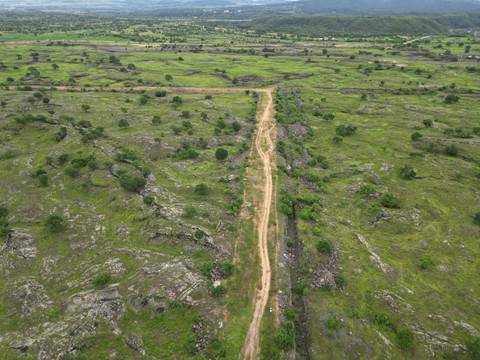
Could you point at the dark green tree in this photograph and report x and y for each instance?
(221, 154)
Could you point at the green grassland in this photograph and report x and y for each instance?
(158, 294)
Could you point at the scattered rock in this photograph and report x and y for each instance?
(20, 245)
(135, 342)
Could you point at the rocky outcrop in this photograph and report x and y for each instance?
(19, 246)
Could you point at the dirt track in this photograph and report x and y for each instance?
(264, 147)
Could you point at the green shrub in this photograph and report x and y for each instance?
(426, 263)
(236, 126)
(285, 336)
(428, 122)
(132, 183)
(156, 120)
(206, 268)
(143, 99)
(228, 267)
(146, 170)
(190, 211)
(333, 323)
(102, 279)
(324, 246)
(384, 320)
(366, 190)
(451, 150)
(43, 179)
(4, 225)
(330, 117)
(199, 234)
(389, 200)
(433, 148)
(148, 199)
(340, 280)
(221, 154)
(202, 189)
(123, 123)
(450, 99)
(476, 218)
(345, 130)
(54, 223)
(473, 349)
(407, 172)
(291, 313)
(177, 100)
(405, 338)
(92, 165)
(337, 139)
(219, 291)
(3, 211)
(416, 136)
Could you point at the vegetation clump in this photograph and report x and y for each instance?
(54, 223)
(389, 200)
(132, 183)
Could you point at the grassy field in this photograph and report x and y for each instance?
(130, 273)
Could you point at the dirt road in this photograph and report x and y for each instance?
(264, 147)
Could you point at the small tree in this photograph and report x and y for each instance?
(54, 223)
(148, 199)
(426, 263)
(123, 123)
(221, 123)
(102, 280)
(143, 99)
(86, 107)
(221, 154)
(177, 100)
(389, 200)
(236, 126)
(324, 246)
(450, 99)
(156, 120)
(428, 122)
(416, 136)
(451, 150)
(132, 183)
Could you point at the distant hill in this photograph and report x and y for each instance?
(251, 8)
(368, 25)
(390, 7)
